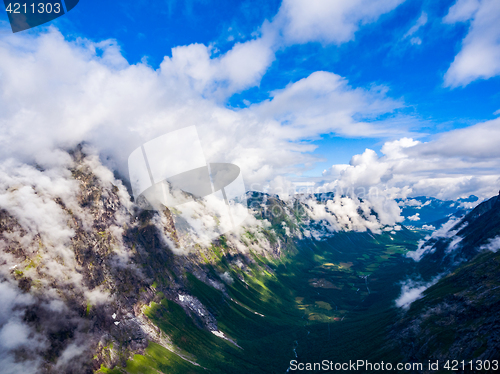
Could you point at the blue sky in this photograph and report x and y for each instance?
(395, 57)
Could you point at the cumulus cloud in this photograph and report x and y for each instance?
(243, 66)
(348, 213)
(324, 102)
(415, 217)
(58, 93)
(479, 57)
(412, 203)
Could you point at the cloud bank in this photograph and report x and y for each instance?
(58, 93)
(328, 21)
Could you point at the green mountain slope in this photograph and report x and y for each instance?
(458, 318)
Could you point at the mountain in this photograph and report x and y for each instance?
(91, 282)
(431, 213)
(460, 239)
(458, 317)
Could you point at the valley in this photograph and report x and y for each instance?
(324, 300)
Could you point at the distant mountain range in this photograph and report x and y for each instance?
(431, 212)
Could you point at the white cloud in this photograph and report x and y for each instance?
(426, 247)
(335, 170)
(47, 208)
(479, 57)
(478, 142)
(324, 102)
(328, 21)
(14, 333)
(462, 11)
(492, 245)
(348, 213)
(415, 217)
(195, 67)
(454, 245)
(412, 203)
(68, 93)
(412, 291)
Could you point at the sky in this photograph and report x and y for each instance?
(398, 95)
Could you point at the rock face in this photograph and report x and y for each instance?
(63, 236)
(464, 238)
